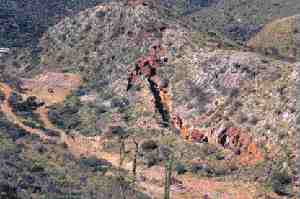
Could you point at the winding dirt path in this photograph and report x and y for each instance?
(7, 110)
(78, 145)
(192, 187)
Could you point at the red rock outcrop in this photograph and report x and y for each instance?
(232, 138)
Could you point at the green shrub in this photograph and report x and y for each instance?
(281, 183)
(95, 164)
(180, 168)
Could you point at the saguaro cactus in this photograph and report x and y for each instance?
(168, 176)
(134, 166)
(122, 151)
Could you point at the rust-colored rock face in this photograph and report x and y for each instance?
(198, 136)
(231, 138)
(251, 155)
(146, 66)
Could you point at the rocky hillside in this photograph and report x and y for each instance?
(134, 71)
(279, 38)
(239, 20)
(23, 22)
(31, 168)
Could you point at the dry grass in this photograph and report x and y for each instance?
(51, 87)
(277, 38)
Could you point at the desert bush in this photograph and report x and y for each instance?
(180, 168)
(150, 159)
(2, 96)
(95, 164)
(10, 129)
(148, 145)
(119, 131)
(120, 103)
(64, 117)
(281, 183)
(198, 168)
(164, 152)
(49, 171)
(149, 152)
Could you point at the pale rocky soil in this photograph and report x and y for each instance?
(79, 145)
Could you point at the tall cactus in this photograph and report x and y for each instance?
(121, 175)
(168, 176)
(122, 151)
(134, 166)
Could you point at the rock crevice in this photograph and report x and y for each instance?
(232, 138)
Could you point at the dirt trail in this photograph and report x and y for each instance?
(78, 145)
(153, 185)
(5, 107)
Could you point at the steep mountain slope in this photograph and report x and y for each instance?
(279, 38)
(23, 22)
(239, 20)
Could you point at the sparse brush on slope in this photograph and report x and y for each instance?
(279, 38)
